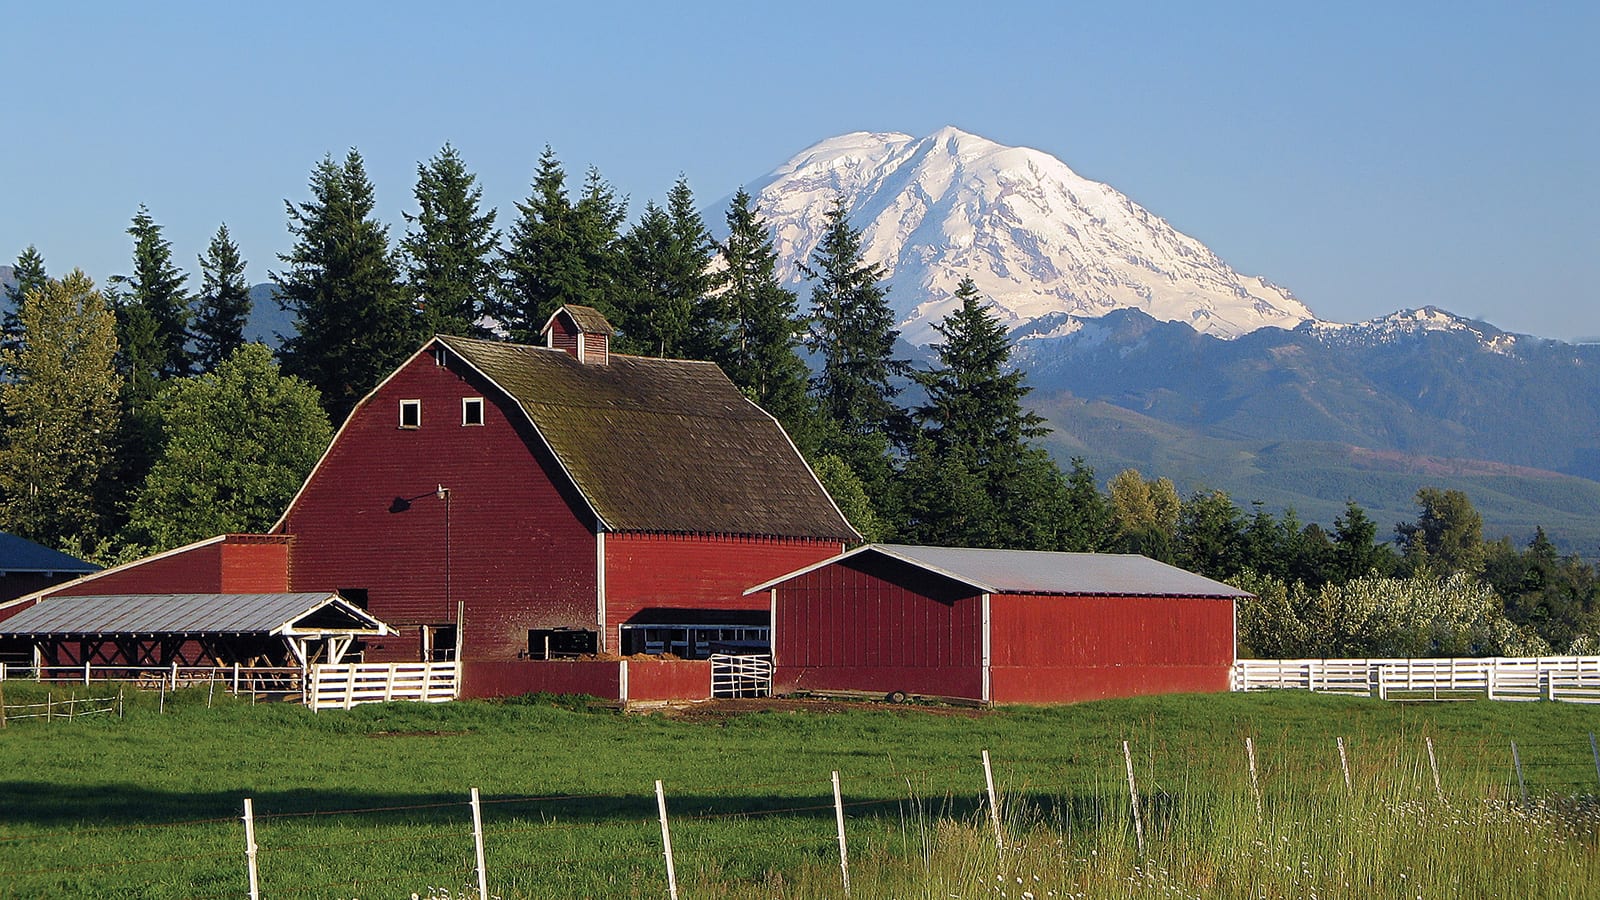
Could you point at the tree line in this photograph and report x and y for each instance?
(137, 418)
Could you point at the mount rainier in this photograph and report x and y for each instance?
(1036, 237)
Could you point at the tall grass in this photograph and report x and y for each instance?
(371, 802)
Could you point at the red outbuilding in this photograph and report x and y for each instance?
(999, 626)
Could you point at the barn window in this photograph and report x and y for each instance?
(410, 413)
(555, 643)
(441, 356)
(472, 410)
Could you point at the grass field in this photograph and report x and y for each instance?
(372, 802)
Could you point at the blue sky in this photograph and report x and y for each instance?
(1368, 157)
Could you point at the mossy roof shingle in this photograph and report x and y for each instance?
(662, 445)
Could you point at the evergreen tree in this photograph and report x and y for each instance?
(1211, 538)
(61, 413)
(1356, 553)
(449, 254)
(664, 305)
(352, 318)
(946, 501)
(760, 325)
(236, 445)
(1447, 535)
(27, 275)
(560, 252)
(1088, 521)
(223, 307)
(155, 291)
(853, 333)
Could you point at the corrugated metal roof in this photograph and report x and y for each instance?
(1040, 572)
(22, 555)
(662, 444)
(178, 614)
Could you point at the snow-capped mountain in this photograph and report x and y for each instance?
(1034, 236)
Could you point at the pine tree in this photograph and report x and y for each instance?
(1088, 520)
(558, 251)
(61, 413)
(448, 255)
(223, 307)
(352, 318)
(757, 326)
(27, 275)
(946, 500)
(853, 332)
(157, 288)
(664, 307)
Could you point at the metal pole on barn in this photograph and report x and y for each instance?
(250, 847)
(1433, 763)
(1344, 763)
(838, 815)
(1255, 782)
(1133, 798)
(477, 836)
(666, 842)
(1516, 761)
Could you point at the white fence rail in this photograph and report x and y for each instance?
(237, 678)
(347, 685)
(741, 676)
(1575, 679)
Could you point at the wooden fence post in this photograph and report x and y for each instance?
(994, 804)
(1433, 763)
(477, 837)
(666, 842)
(250, 848)
(1133, 798)
(1255, 783)
(838, 815)
(3, 706)
(1516, 761)
(1344, 763)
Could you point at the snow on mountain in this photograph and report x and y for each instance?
(1035, 237)
(1412, 322)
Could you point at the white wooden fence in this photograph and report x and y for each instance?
(741, 675)
(1575, 679)
(346, 685)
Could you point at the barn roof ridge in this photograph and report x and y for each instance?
(1039, 571)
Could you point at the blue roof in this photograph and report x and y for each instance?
(22, 555)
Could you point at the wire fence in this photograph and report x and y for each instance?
(583, 843)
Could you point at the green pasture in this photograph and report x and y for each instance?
(373, 802)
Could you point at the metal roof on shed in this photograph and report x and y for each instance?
(1041, 572)
(185, 614)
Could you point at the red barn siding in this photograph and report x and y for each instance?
(1054, 649)
(255, 564)
(662, 571)
(197, 570)
(596, 349)
(881, 626)
(521, 549)
(509, 678)
(682, 679)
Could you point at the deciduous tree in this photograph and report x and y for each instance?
(61, 414)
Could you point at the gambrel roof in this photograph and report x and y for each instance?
(661, 445)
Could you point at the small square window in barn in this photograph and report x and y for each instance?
(555, 643)
(410, 413)
(472, 411)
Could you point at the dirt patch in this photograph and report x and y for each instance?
(721, 710)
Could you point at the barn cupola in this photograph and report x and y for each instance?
(581, 331)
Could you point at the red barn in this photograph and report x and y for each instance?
(999, 626)
(573, 499)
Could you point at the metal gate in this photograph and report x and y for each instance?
(741, 676)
